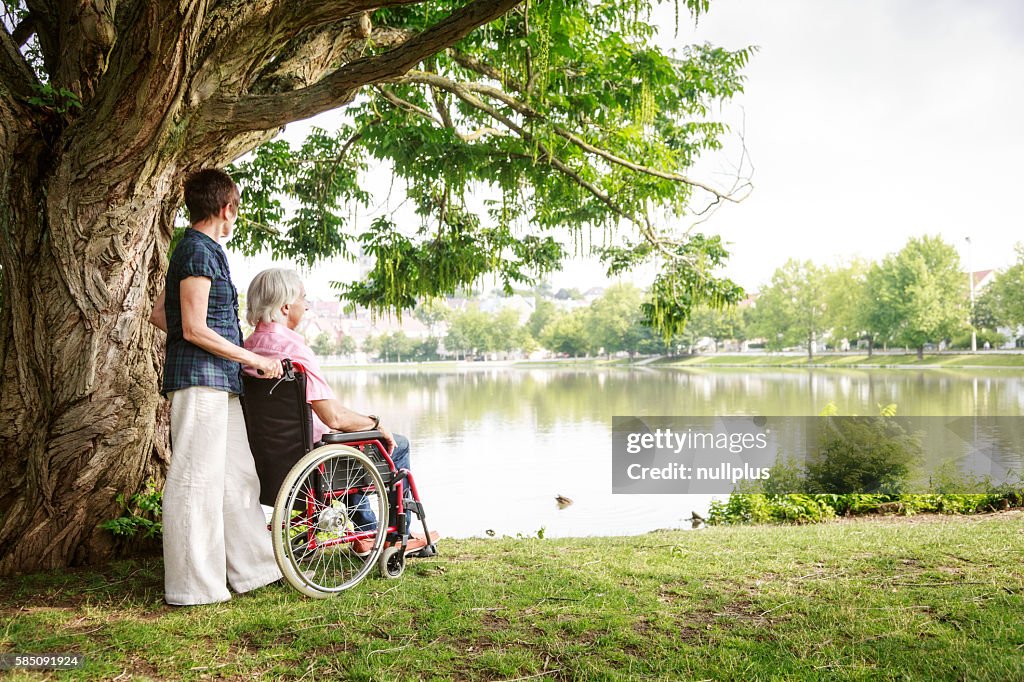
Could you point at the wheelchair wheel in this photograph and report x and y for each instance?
(391, 562)
(318, 543)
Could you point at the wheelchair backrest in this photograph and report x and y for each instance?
(279, 423)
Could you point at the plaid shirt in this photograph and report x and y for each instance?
(186, 364)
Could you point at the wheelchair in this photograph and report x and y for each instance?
(340, 505)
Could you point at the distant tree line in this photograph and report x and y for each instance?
(609, 325)
(914, 298)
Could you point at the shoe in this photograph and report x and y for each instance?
(363, 546)
(415, 543)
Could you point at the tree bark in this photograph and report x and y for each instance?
(79, 398)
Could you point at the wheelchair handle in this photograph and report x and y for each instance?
(288, 369)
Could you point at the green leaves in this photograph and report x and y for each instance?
(141, 514)
(562, 109)
(433, 265)
(919, 294)
(320, 181)
(1003, 299)
(791, 311)
(56, 100)
(688, 281)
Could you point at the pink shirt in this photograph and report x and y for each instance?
(274, 340)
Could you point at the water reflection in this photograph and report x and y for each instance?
(493, 446)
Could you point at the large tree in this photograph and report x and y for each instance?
(918, 295)
(611, 317)
(845, 298)
(791, 309)
(561, 105)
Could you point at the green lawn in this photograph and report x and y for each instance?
(921, 598)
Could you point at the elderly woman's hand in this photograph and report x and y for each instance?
(388, 438)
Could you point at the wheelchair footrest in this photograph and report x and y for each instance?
(424, 553)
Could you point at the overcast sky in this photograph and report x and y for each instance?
(871, 121)
(867, 122)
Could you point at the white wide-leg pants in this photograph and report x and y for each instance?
(215, 532)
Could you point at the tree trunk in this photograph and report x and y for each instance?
(920, 352)
(81, 363)
(871, 346)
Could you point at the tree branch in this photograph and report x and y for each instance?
(24, 30)
(467, 96)
(16, 77)
(442, 107)
(306, 58)
(339, 88)
(473, 64)
(312, 54)
(509, 83)
(445, 122)
(530, 112)
(242, 42)
(407, 106)
(266, 47)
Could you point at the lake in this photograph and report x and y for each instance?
(493, 445)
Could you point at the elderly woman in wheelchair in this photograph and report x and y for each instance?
(343, 500)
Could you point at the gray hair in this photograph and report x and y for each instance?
(268, 292)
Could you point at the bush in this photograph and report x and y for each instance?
(859, 467)
(862, 455)
(761, 508)
(744, 508)
(963, 340)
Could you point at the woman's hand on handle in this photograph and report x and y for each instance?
(270, 368)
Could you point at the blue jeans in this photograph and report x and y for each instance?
(363, 517)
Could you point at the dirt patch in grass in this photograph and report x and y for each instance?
(256, 642)
(139, 667)
(492, 621)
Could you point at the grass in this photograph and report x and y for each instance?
(924, 598)
(854, 360)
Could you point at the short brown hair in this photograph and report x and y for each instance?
(208, 191)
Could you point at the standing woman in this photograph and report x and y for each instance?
(214, 530)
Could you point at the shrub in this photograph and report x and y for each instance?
(862, 455)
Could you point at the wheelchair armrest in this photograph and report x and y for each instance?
(332, 438)
(357, 439)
